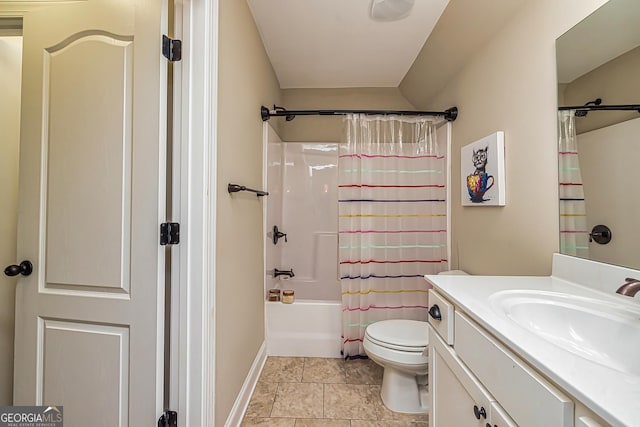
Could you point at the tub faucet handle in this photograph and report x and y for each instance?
(277, 234)
(277, 272)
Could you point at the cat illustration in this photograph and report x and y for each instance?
(479, 160)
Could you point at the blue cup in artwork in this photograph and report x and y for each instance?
(477, 185)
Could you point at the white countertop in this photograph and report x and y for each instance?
(611, 394)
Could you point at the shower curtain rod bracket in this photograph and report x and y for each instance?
(264, 113)
(450, 114)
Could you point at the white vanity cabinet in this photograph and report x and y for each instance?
(474, 380)
(457, 398)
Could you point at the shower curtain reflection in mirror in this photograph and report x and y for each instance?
(574, 236)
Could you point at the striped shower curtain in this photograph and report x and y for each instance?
(574, 234)
(392, 220)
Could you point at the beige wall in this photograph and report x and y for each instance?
(561, 89)
(246, 81)
(329, 128)
(616, 82)
(510, 84)
(10, 70)
(460, 34)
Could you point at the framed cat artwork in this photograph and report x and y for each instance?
(482, 172)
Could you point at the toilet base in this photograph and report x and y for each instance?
(403, 392)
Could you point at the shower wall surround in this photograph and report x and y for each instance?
(608, 159)
(303, 203)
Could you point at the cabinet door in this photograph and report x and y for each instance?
(529, 398)
(499, 417)
(457, 399)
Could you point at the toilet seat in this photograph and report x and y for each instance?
(399, 334)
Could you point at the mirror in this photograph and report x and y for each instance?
(600, 58)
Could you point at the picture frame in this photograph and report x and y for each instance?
(482, 172)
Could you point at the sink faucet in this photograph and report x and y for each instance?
(630, 288)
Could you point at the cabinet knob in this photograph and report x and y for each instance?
(479, 412)
(434, 312)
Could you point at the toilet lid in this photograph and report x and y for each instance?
(399, 334)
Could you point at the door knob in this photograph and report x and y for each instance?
(25, 268)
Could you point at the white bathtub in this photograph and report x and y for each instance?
(306, 328)
(302, 181)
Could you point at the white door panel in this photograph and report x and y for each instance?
(89, 320)
(109, 380)
(80, 212)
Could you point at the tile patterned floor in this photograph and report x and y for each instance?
(312, 392)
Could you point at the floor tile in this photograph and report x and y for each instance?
(282, 369)
(298, 400)
(317, 392)
(318, 370)
(363, 371)
(318, 422)
(270, 422)
(262, 400)
(350, 401)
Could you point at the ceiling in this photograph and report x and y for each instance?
(606, 34)
(335, 43)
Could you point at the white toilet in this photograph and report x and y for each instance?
(399, 346)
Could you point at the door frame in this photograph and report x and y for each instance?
(195, 134)
(194, 199)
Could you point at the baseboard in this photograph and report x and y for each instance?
(242, 401)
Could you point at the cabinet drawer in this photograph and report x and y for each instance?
(457, 398)
(528, 398)
(444, 325)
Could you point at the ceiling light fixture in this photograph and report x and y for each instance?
(390, 10)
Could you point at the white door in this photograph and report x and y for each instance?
(89, 320)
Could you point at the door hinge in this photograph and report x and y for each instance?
(168, 419)
(171, 49)
(169, 233)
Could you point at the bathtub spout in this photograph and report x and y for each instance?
(277, 273)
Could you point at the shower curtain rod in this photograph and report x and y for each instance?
(627, 107)
(449, 114)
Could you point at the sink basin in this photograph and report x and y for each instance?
(603, 332)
